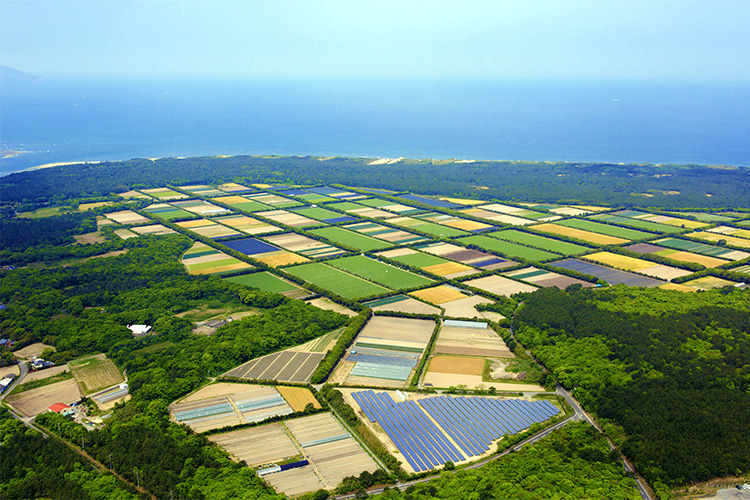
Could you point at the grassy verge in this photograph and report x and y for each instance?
(35, 384)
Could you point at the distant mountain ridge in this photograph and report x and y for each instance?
(12, 74)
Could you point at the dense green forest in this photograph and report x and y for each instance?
(670, 370)
(573, 463)
(520, 181)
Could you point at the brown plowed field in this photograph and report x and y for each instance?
(455, 364)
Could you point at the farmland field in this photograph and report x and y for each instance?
(580, 234)
(208, 228)
(427, 262)
(202, 190)
(247, 224)
(379, 272)
(455, 222)
(273, 200)
(467, 256)
(298, 397)
(166, 211)
(632, 264)
(127, 217)
(708, 283)
(608, 229)
(702, 248)
(283, 366)
(402, 303)
(351, 239)
(152, 229)
(636, 223)
(496, 217)
(426, 227)
(322, 214)
(300, 244)
(289, 218)
(678, 255)
(508, 249)
(200, 207)
(536, 241)
(500, 285)
(735, 232)
(385, 233)
(36, 401)
(243, 203)
(337, 281)
(94, 373)
(362, 210)
(164, 194)
(456, 303)
(718, 238)
(203, 259)
(611, 276)
(544, 278)
(268, 282)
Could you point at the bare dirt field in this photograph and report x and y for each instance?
(500, 285)
(329, 305)
(94, 373)
(342, 372)
(465, 308)
(473, 381)
(383, 327)
(32, 350)
(89, 238)
(9, 370)
(36, 401)
(409, 305)
(257, 445)
(456, 364)
(220, 389)
(46, 373)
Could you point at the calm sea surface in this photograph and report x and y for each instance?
(66, 120)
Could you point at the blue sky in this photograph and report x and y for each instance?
(602, 39)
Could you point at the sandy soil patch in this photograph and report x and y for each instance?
(500, 286)
(9, 370)
(32, 350)
(298, 397)
(456, 364)
(38, 400)
(46, 373)
(329, 305)
(89, 238)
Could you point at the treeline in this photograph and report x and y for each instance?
(668, 368)
(515, 181)
(20, 234)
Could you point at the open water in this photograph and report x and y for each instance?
(70, 120)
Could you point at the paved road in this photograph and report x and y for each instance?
(24, 370)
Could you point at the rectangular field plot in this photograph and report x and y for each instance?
(282, 366)
(298, 397)
(661, 219)
(508, 249)
(247, 225)
(428, 201)
(402, 303)
(456, 303)
(203, 259)
(491, 216)
(608, 229)
(379, 272)
(265, 252)
(706, 216)
(127, 217)
(308, 247)
(305, 195)
(273, 200)
(289, 218)
(351, 239)
(500, 285)
(430, 431)
(164, 194)
(718, 238)
(708, 283)
(455, 222)
(426, 227)
(702, 248)
(544, 278)
(323, 215)
(733, 231)
(209, 228)
(202, 190)
(642, 266)
(336, 193)
(166, 211)
(337, 281)
(125, 233)
(468, 338)
(536, 241)
(387, 350)
(223, 404)
(362, 210)
(243, 203)
(741, 269)
(519, 212)
(430, 263)
(234, 188)
(265, 444)
(395, 236)
(95, 373)
(153, 229)
(636, 223)
(611, 276)
(268, 282)
(396, 208)
(679, 255)
(580, 234)
(473, 258)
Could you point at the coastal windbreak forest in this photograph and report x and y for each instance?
(666, 373)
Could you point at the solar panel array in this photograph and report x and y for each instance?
(472, 423)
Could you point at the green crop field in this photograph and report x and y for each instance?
(317, 213)
(337, 281)
(429, 227)
(264, 281)
(379, 272)
(508, 249)
(419, 260)
(637, 223)
(597, 227)
(562, 247)
(375, 202)
(169, 214)
(351, 239)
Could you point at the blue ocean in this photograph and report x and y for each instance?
(57, 120)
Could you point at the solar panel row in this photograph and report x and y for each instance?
(471, 422)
